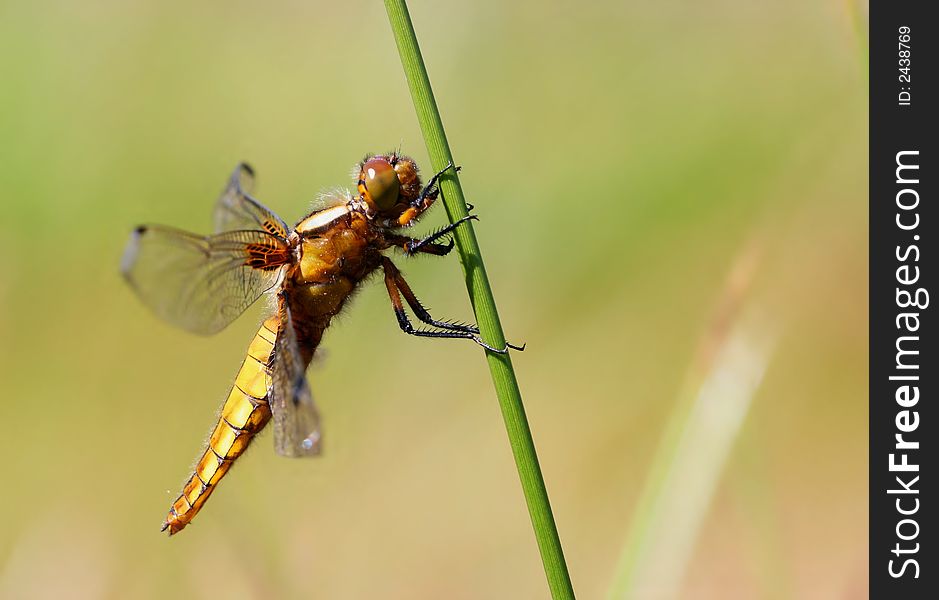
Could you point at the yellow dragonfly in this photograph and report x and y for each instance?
(202, 283)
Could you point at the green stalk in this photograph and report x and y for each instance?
(484, 305)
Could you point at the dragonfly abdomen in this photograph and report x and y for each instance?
(244, 414)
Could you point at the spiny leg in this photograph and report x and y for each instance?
(395, 282)
(431, 186)
(392, 276)
(419, 311)
(435, 249)
(414, 246)
(431, 190)
(403, 241)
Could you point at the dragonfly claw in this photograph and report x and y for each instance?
(504, 350)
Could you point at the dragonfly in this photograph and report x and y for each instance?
(202, 283)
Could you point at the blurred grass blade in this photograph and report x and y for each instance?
(484, 306)
(686, 469)
(681, 491)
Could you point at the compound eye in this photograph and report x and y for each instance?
(381, 183)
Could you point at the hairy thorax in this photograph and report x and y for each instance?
(337, 251)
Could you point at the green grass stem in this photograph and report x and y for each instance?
(484, 305)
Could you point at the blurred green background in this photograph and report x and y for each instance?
(622, 156)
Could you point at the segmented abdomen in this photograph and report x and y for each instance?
(244, 414)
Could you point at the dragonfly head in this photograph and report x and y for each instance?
(390, 186)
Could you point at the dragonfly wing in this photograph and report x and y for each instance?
(236, 209)
(296, 420)
(202, 283)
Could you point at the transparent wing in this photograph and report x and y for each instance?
(236, 209)
(296, 420)
(201, 283)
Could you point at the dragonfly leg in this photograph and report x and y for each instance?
(394, 281)
(419, 311)
(414, 246)
(431, 190)
(437, 249)
(404, 242)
